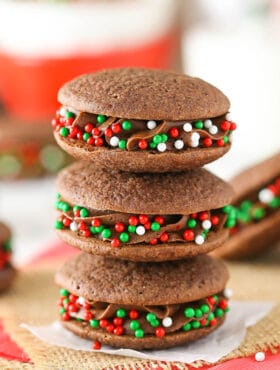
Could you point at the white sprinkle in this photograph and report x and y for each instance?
(228, 292)
(161, 147)
(260, 356)
(195, 136)
(208, 123)
(213, 130)
(74, 226)
(114, 141)
(230, 137)
(167, 322)
(194, 143)
(228, 117)
(62, 111)
(187, 127)
(199, 239)
(81, 301)
(179, 144)
(206, 224)
(266, 196)
(151, 125)
(140, 230)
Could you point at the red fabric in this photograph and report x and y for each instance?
(9, 349)
(59, 250)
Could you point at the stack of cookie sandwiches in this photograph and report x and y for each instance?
(141, 209)
(7, 271)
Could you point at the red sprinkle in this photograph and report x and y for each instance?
(147, 225)
(211, 300)
(88, 316)
(95, 131)
(110, 328)
(66, 221)
(115, 243)
(65, 316)
(154, 241)
(220, 142)
(99, 141)
(90, 141)
(188, 235)
(160, 332)
(214, 220)
(225, 125)
(233, 126)
(203, 322)
(133, 314)
(142, 144)
(108, 132)
(159, 219)
(203, 216)
(119, 227)
(143, 219)
(73, 132)
(96, 222)
(207, 142)
(223, 304)
(118, 321)
(174, 132)
(88, 127)
(133, 220)
(119, 330)
(72, 308)
(103, 323)
(213, 322)
(164, 237)
(96, 345)
(116, 128)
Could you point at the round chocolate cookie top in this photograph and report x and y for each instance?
(144, 94)
(85, 184)
(100, 279)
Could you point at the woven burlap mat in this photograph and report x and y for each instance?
(33, 300)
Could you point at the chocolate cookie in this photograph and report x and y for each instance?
(7, 272)
(142, 305)
(143, 120)
(254, 219)
(28, 150)
(141, 217)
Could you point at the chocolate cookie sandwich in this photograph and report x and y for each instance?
(142, 305)
(28, 150)
(254, 219)
(141, 217)
(143, 120)
(7, 272)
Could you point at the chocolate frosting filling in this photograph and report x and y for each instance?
(102, 310)
(174, 225)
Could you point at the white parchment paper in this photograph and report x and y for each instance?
(211, 348)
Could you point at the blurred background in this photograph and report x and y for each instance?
(234, 45)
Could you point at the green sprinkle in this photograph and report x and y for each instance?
(7, 246)
(134, 325)
(86, 136)
(157, 139)
(121, 313)
(215, 297)
(65, 207)
(227, 309)
(164, 138)
(76, 208)
(219, 312)
(58, 225)
(198, 125)
(65, 301)
(62, 310)
(275, 203)
(124, 237)
(106, 233)
(99, 229)
(226, 139)
(227, 209)
(58, 196)
(126, 125)
(191, 223)
(258, 213)
(245, 205)
(139, 333)
(198, 313)
(151, 317)
(69, 114)
(122, 144)
(154, 323)
(94, 323)
(79, 319)
(131, 229)
(64, 131)
(84, 212)
(93, 230)
(187, 326)
(204, 308)
(189, 312)
(152, 145)
(101, 118)
(155, 226)
(204, 233)
(230, 222)
(195, 324)
(64, 292)
(210, 316)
